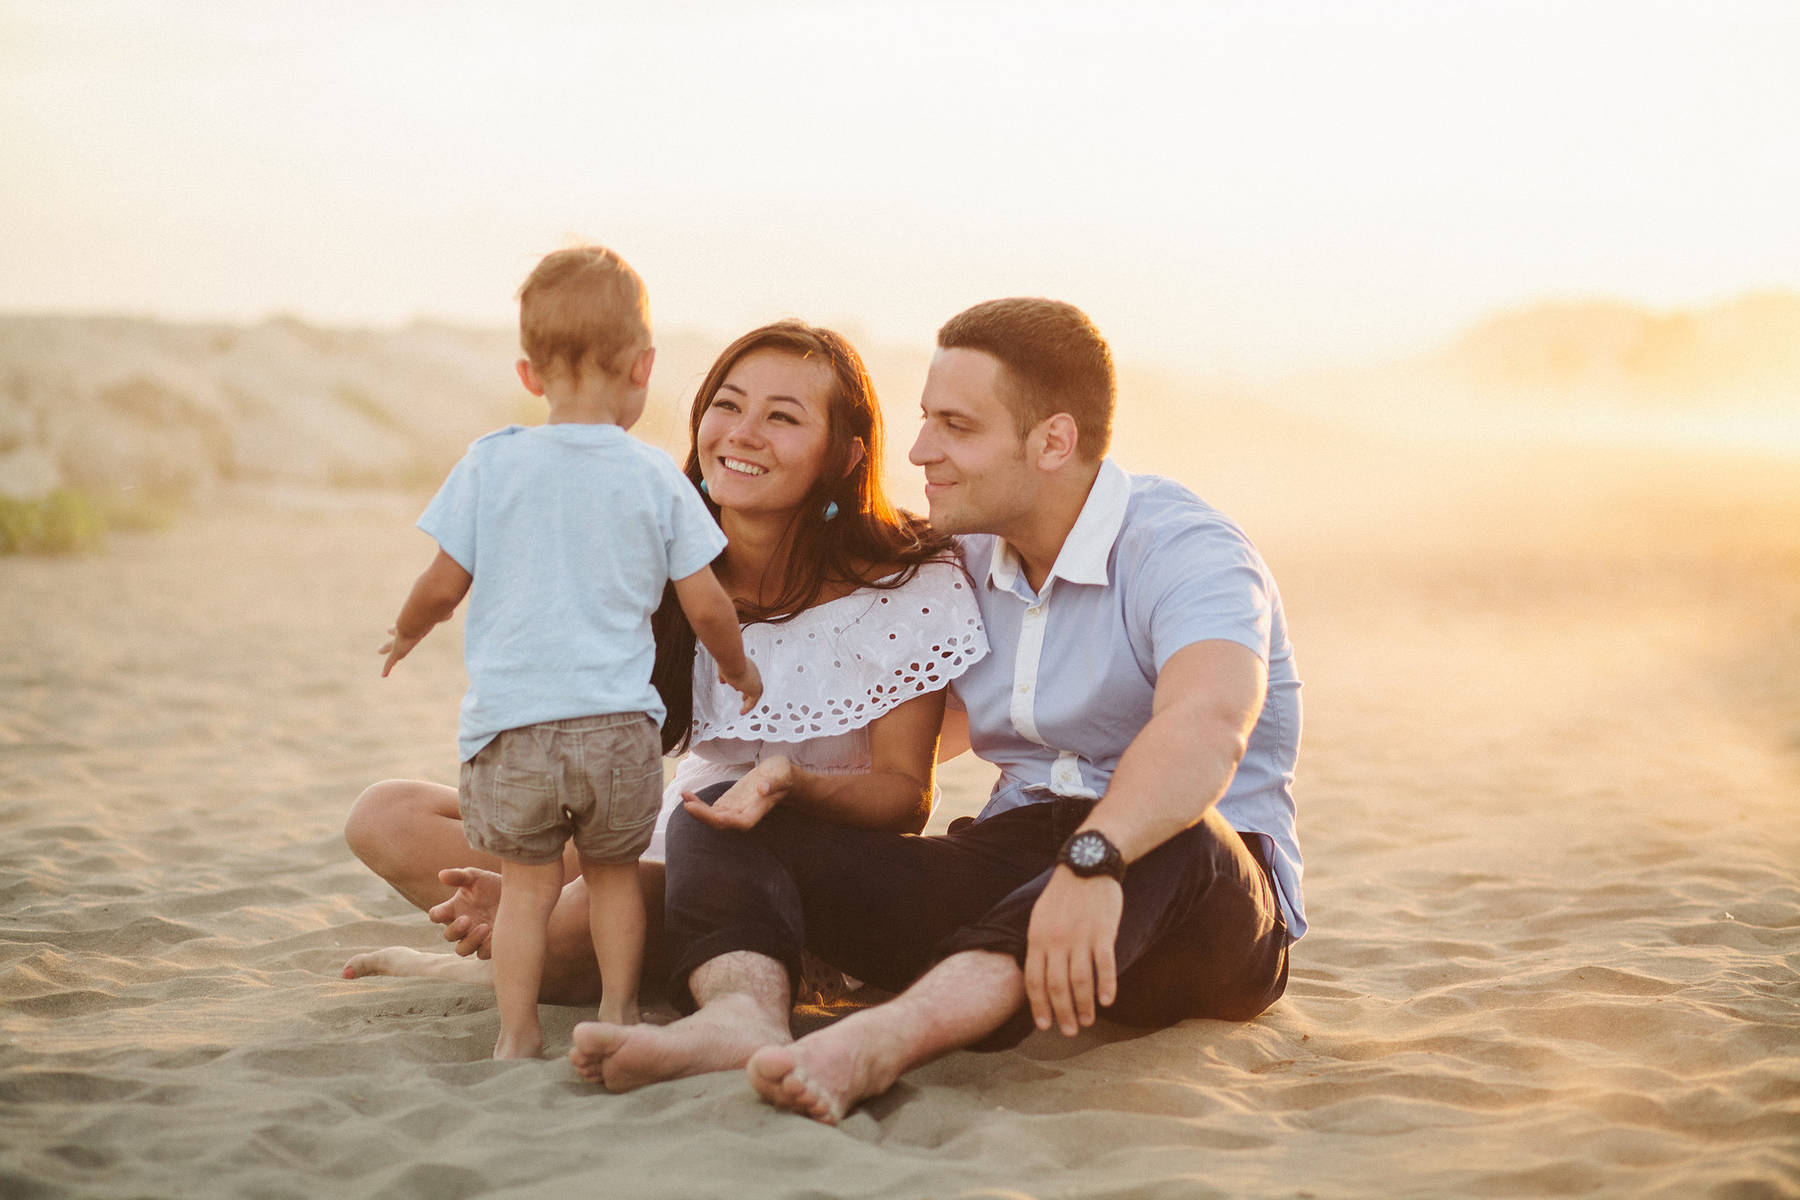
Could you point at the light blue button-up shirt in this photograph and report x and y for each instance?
(1147, 569)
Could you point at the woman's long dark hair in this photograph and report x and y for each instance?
(870, 543)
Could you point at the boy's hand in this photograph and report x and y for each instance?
(396, 648)
(748, 684)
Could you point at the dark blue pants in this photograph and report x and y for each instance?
(1201, 933)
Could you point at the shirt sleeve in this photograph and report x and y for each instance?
(1202, 583)
(694, 538)
(451, 515)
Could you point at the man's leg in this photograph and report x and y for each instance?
(957, 1003)
(873, 903)
(1200, 936)
(741, 1003)
(742, 906)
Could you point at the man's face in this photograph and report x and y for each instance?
(977, 479)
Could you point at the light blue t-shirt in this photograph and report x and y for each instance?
(1147, 569)
(570, 532)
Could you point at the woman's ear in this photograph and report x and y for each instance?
(857, 453)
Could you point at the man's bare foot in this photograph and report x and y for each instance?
(823, 1075)
(468, 915)
(405, 961)
(720, 1037)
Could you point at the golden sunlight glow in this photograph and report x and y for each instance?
(1236, 187)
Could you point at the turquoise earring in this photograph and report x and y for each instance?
(703, 490)
(831, 511)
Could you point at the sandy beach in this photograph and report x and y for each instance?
(1550, 803)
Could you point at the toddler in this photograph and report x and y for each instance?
(563, 537)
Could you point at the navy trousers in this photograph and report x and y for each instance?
(1201, 934)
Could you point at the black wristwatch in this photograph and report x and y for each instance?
(1089, 853)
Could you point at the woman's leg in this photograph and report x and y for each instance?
(407, 832)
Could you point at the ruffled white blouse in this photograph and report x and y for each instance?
(828, 673)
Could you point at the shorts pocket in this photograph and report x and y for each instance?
(525, 802)
(636, 797)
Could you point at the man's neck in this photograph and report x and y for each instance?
(1039, 540)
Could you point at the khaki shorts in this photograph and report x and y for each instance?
(596, 780)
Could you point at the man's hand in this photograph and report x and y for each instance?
(1069, 967)
(749, 799)
(396, 648)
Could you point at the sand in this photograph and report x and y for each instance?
(1548, 803)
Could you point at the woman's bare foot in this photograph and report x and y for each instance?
(405, 961)
(719, 1037)
(468, 915)
(823, 1075)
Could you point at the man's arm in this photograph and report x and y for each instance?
(434, 596)
(1208, 696)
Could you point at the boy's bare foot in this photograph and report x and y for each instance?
(468, 915)
(719, 1037)
(405, 961)
(822, 1076)
(524, 1045)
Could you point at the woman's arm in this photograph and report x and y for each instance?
(954, 739)
(895, 792)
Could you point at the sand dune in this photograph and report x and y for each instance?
(1549, 805)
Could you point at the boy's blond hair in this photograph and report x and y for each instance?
(583, 307)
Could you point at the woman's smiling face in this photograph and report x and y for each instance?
(763, 438)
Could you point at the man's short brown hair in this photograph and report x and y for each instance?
(583, 307)
(1055, 360)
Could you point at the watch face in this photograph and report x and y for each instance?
(1086, 851)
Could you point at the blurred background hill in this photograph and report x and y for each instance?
(140, 414)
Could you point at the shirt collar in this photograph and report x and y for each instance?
(1085, 551)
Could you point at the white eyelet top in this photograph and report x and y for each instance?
(826, 675)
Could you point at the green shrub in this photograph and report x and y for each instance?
(59, 523)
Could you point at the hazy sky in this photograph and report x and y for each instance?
(1231, 185)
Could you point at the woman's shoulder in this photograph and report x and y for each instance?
(842, 663)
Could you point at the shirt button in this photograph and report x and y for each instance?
(1024, 688)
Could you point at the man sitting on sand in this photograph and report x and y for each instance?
(1137, 858)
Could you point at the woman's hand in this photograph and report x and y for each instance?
(749, 799)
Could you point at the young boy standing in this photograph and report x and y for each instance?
(563, 536)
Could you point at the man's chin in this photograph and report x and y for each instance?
(944, 518)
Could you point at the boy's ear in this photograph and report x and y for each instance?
(529, 378)
(857, 452)
(640, 367)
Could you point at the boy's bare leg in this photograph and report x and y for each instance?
(616, 920)
(743, 1002)
(530, 893)
(956, 1003)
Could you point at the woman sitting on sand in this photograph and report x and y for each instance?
(858, 615)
